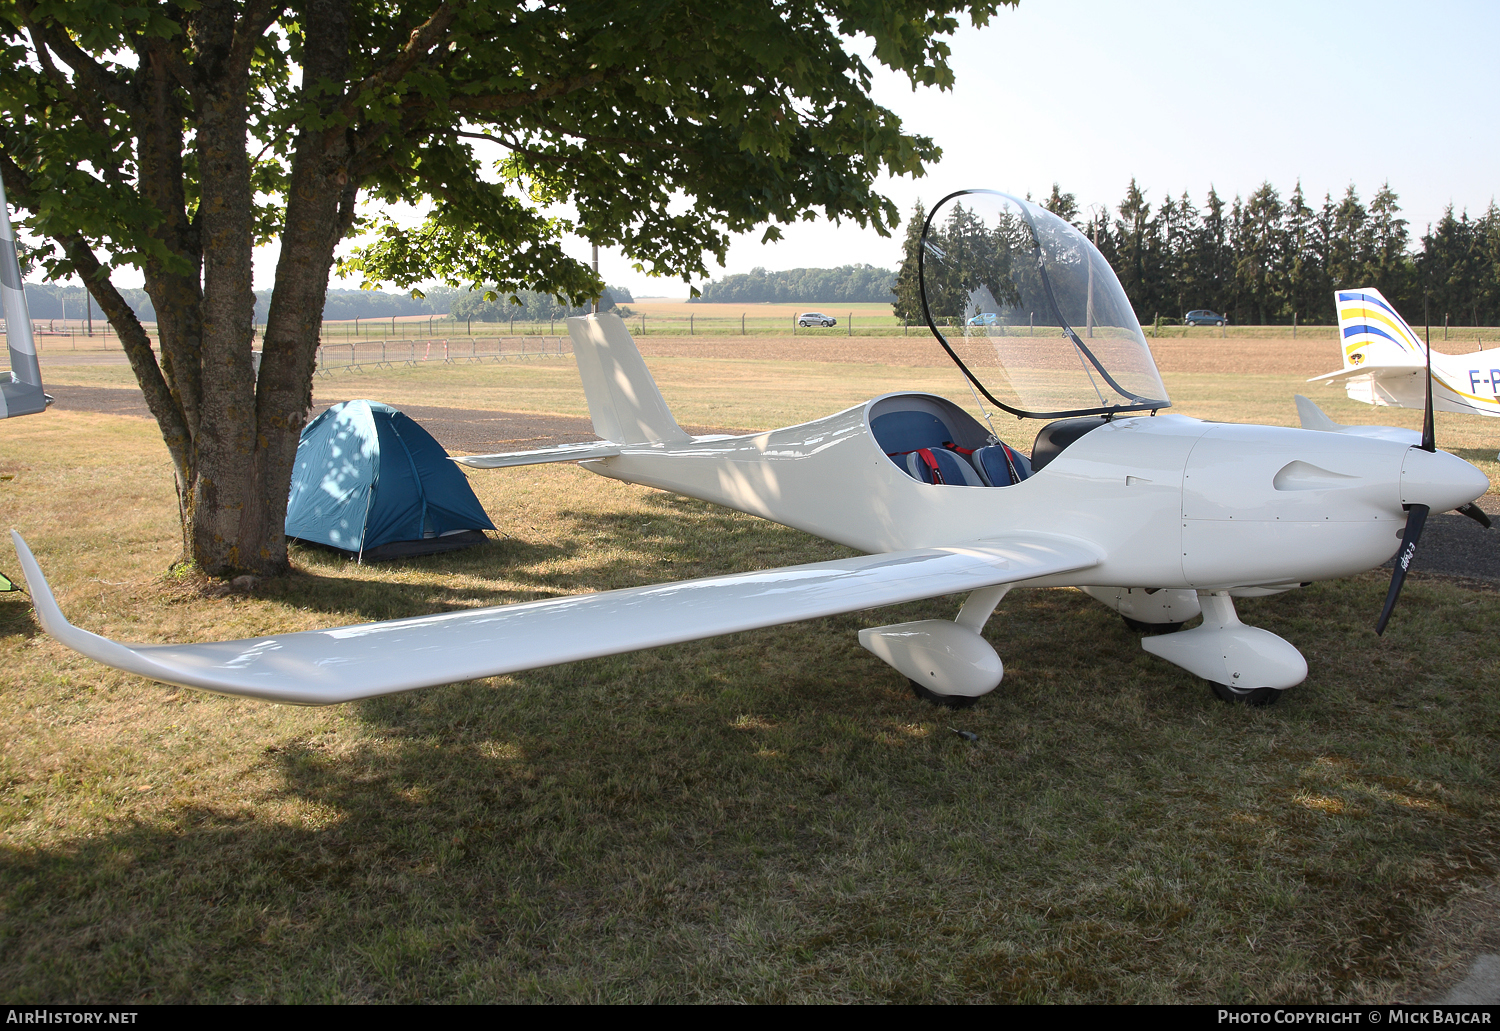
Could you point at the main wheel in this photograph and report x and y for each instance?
(1150, 628)
(1260, 697)
(802, 324)
(1221, 322)
(947, 701)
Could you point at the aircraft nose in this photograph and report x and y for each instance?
(1439, 480)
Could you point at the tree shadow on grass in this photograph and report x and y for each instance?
(677, 539)
(17, 618)
(766, 815)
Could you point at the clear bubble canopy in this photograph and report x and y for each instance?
(1031, 311)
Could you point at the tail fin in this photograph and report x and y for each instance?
(20, 390)
(1312, 417)
(623, 400)
(1371, 332)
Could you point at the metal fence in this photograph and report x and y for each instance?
(390, 354)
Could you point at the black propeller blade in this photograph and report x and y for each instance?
(1475, 513)
(1416, 515)
(1416, 519)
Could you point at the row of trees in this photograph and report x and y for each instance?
(56, 301)
(851, 283)
(528, 305)
(1266, 259)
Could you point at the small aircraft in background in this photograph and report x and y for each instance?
(20, 390)
(1385, 362)
(1158, 516)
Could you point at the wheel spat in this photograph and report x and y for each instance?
(1416, 518)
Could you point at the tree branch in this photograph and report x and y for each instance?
(86, 70)
(424, 38)
(258, 17)
(510, 101)
(132, 334)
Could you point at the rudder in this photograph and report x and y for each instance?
(1372, 332)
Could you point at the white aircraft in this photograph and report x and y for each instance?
(20, 390)
(1385, 362)
(1158, 516)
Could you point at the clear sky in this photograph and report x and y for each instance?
(1180, 95)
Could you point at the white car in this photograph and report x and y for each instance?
(816, 318)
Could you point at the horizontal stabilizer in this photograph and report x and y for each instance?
(1314, 418)
(541, 456)
(1367, 370)
(319, 667)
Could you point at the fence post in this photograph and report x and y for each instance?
(690, 325)
(851, 324)
(742, 323)
(1294, 325)
(1445, 325)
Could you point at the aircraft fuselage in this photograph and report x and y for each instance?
(1173, 501)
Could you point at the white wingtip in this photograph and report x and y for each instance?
(47, 610)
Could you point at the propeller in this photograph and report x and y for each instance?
(1416, 515)
(1416, 518)
(1475, 513)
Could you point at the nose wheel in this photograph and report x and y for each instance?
(1142, 627)
(947, 701)
(1259, 697)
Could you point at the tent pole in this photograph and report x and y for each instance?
(364, 525)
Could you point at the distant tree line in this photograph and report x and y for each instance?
(57, 301)
(1263, 260)
(851, 283)
(529, 305)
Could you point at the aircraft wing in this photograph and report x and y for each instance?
(320, 667)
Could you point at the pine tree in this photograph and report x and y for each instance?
(1133, 233)
(908, 306)
(1259, 266)
(1063, 205)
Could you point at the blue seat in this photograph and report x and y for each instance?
(900, 432)
(994, 469)
(904, 435)
(952, 468)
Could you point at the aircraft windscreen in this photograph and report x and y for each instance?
(1032, 312)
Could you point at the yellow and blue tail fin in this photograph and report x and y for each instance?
(1372, 332)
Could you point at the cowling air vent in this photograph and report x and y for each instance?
(1306, 476)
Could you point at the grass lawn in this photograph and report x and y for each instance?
(767, 816)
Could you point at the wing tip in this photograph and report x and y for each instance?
(42, 599)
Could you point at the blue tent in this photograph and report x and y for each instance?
(369, 480)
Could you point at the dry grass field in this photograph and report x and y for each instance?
(762, 817)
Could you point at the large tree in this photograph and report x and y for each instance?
(176, 136)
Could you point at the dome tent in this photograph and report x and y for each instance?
(369, 481)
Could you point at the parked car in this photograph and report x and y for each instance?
(1204, 317)
(816, 318)
(985, 318)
